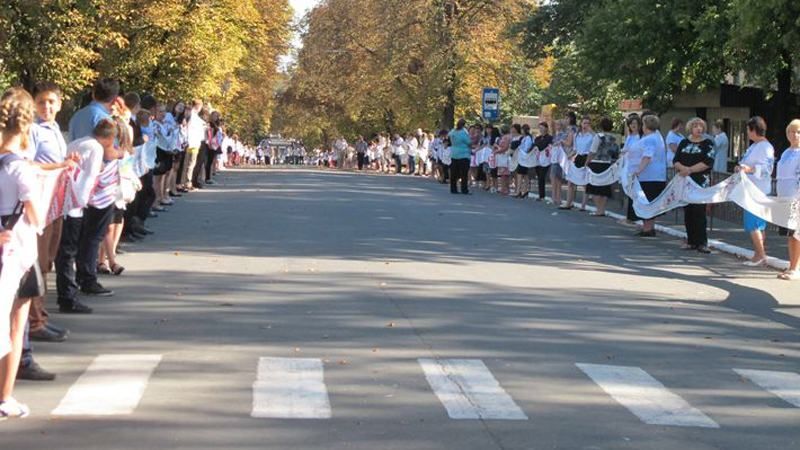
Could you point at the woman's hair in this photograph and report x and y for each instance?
(526, 130)
(651, 122)
(124, 135)
(572, 117)
(793, 126)
(460, 124)
(638, 120)
(757, 125)
(606, 125)
(16, 113)
(693, 121)
(517, 128)
(676, 122)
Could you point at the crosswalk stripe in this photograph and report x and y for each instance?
(785, 385)
(290, 388)
(645, 396)
(111, 385)
(468, 390)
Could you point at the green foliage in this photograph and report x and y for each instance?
(225, 51)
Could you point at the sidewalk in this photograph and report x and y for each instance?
(723, 235)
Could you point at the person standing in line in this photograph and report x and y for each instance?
(633, 157)
(788, 178)
(586, 143)
(652, 170)
(694, 158)
(195, 133)
(361, 152)
(757, 163)
(502, 160)
(604, 155)
(398, 152)
(543, 144)
(411, 145)
(721, 145)
(48, 149)
(104, 93)
(674, 138)
(17, 202)
(558, 155)
(461, 151)
(526, 160)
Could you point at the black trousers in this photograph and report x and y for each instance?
(212, 156)
(93, 231)
(398, 167)
(179, 174)
(147, 197)
(199, 168)
(694, 217)
(65, 261)
(459, 170)
(361, 157)
(541, 178)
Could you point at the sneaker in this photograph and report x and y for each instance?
(210, 182)
(57, 329)
(97, 290)
(75, 308)
(12, 409)
(34, 372)
(47, 335)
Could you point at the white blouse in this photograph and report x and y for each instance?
(788, 173)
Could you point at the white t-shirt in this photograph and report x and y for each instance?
(586, 143)
(761, 157)
(673, 138)
(91, 163)
(18, 180)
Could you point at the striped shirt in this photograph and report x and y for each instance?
(106, 190)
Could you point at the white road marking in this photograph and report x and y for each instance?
(111, 385)
(646, 397)
(785, 385)
(468, 390)
(290, 388)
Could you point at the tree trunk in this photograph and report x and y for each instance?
(448, 118)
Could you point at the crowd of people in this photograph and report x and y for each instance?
(126, 159)
(506, 160)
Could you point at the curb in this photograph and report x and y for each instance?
(775, 263)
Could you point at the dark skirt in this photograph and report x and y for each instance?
(163, 162)
(580, 161)
(522, 170)
(651, 189)
(600, 191)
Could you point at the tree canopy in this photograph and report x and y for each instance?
(224, 51)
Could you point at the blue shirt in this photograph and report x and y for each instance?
(85, 119)
(460, 144)
(653, 147)
(47, 143)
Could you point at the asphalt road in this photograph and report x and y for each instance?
(399, 316)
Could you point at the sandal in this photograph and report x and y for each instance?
(116, 269)
(102, 269)
(12, 409)
(790, 275)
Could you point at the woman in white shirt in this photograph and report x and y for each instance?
(586, 143)
(788, 178)
(526, 160)
(674, 138)
(633, 156)
(757, 163)
(17, 203)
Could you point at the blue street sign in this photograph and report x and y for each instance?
(491, 103)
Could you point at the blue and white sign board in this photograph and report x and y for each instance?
(491, 103)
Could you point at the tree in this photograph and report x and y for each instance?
(764, 48)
